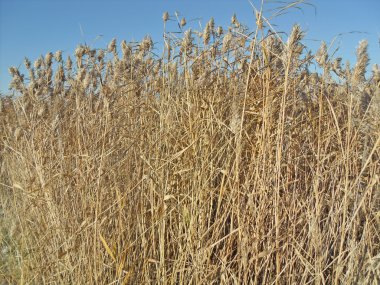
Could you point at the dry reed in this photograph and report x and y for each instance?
(225, 161)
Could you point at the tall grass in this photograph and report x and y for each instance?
(223, 161)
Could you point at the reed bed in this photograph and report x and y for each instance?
(224, 160)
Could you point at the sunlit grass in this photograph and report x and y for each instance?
(223, 161)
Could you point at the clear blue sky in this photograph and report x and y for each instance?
(34, 27)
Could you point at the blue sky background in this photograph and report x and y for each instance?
(34, 27)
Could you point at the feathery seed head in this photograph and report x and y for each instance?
(376, 73)
(13, 71)
(146, 44)
(219, 31)
(187, 42)
(321, 56)
(87, 80)
(38, 63)
(86, 50)
(183, 22)
(40, 81)
(347, 70)
(259, 20)
(48, 59)
(58, 56)
(59, 75)
(226, 42)
(337, 64)
(362, 61)
(234, 20)
(81, 74)
(91, 53)
(109, 67)
(125, 48)
(314, 78)
(69, 63)
(79, 52)
(207, 34)
(295, 36)
(49, 74)
(17, 84)
(168, 48)
(211, 23)
(138, 57)
(157, 67)
(112, 46)
(214, 51)
(101, 55)
(17, 78)
(27, 63)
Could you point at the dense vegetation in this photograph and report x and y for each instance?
(223, 161)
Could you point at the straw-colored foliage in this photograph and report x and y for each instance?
(222, 161)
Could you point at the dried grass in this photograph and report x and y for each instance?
(225, 161)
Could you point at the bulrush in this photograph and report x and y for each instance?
(376, 74)
(227, 158)
(183, 22)
(79, 53)
(38, 63)
(219, 31)
(337, 66)
(321, 56)
(234, 21)
(361, 62)
(17, 79)
(112, 46)
(126, 50)
(58, 56)
(69, 64)
(81, 74)
(48, 59)
(226, 42)
(27, 63)
(165, 16)
(187, 42)
(207, 34)
(146, 44)
(101, 55)
(59, 78)
(294, 39)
